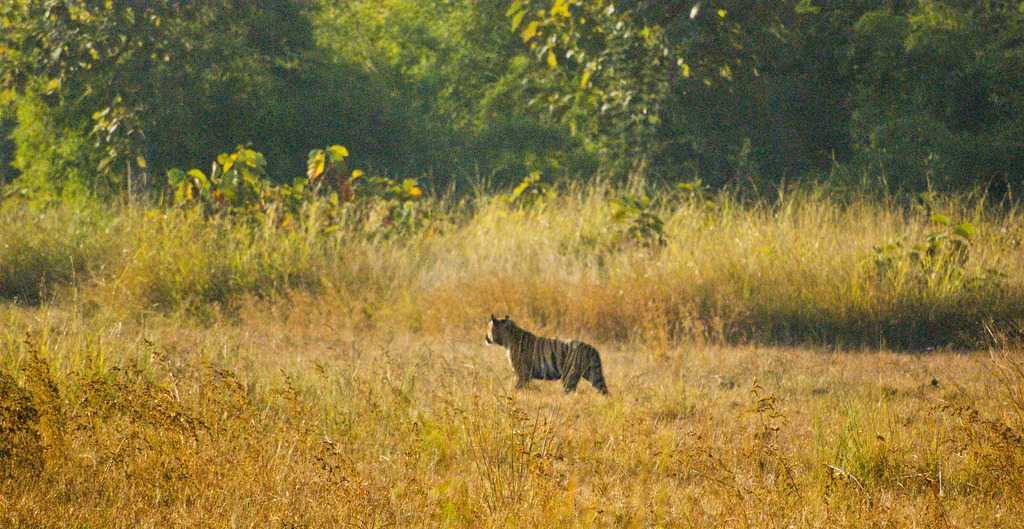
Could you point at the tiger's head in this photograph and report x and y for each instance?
(497, 331)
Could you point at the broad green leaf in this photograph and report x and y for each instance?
(337, 152)
(315, 167)
(175, 177)
(249, 177)
(411, 188)
(199, 178)
(530, 31)
(515, 7)
(552, 60)
(560, 9)
(965, 230)
(941, 219)
(356, 175)
(517, 19)
(225, 161)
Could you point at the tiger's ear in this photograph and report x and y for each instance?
(493, 318)
(506, 316)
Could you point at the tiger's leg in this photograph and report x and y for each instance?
(596, 376)
(521, 381)
(522, 376)
(571, 372)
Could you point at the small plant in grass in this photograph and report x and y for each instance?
(530, 191)
(637, 221)
(943, 254)
(328, 167)
(384, 206)
(516, 463)
(691, 190)
(237, 183)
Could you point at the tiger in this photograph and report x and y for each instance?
(536, 357)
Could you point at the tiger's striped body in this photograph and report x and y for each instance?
(536, 357)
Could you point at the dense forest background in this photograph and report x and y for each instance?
(883, 95)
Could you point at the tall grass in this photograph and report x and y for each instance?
(806, 268)
(43, 250)
(163, 369)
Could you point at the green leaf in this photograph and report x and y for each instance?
(411, 189)
(805, 7)
(530, 31)
(225, 161)
(941, 220)
(200, 179)
(560, 8)
(515, 7)
(183, 193)
(585, 79)
(315, 166)
(175, 177)
(965, 230)
(517, 19)
(337, 152)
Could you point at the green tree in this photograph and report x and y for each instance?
(724, 90)
(917, 93)
(157, 83)
(459, 77)
(939, 101)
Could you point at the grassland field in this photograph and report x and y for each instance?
(809, 362)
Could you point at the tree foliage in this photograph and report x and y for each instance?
(901, 95)
(920, 93)
(163, 82)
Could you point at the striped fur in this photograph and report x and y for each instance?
(535, 357)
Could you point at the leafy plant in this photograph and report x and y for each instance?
(943, 253)
(637, 220)
(238, 185)
(237, 182)
(329, 165)
(529, 191)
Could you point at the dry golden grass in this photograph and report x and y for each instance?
(277, 417)
(174, 371)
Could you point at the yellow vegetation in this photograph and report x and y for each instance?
(165, 370)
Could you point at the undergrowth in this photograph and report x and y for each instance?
(614, 265)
